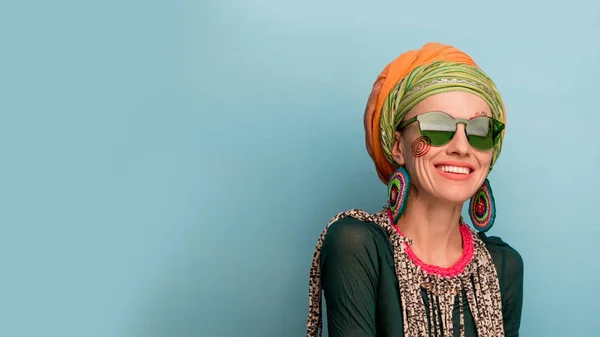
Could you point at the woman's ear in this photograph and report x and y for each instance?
(397, 152)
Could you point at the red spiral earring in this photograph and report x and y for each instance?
(482, 208)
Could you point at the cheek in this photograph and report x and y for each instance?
(421, 146)
(485, 158)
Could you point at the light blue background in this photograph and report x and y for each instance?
(167, 166)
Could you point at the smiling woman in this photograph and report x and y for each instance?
(434, 124)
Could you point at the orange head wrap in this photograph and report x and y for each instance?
(389, 78)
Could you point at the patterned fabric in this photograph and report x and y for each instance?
(478, 279)
(428, 80)
(421, 71)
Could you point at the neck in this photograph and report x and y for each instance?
(433, 228)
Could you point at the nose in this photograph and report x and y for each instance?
(459, 145)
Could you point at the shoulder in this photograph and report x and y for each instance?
(352, 235)
(507, 260)
(501, 250)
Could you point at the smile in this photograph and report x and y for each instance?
(455, 171)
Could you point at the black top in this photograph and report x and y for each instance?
(361, 289)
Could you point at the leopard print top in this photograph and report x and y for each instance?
(478, 279)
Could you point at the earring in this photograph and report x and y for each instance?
(482, 208)
(398, 192)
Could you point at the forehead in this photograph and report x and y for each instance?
(458, 104)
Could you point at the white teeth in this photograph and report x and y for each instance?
(455, 169)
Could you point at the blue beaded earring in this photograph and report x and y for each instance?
(398, 192)
(482, 208)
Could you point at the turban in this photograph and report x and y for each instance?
(409, 79)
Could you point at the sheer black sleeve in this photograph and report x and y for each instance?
(509, 265)
(350, 273)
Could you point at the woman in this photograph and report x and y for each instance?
(434, 127)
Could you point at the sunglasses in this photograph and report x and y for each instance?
(482, 132)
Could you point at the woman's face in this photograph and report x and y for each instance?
(452, 172)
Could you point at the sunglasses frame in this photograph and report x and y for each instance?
(497, 126)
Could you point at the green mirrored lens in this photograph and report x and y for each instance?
(439, 127)
(479, 133)
(479, 126)
(436, 121)
(438, 138)
(480, 143)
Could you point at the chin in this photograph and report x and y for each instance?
(455, 194)
(455, 189)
